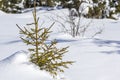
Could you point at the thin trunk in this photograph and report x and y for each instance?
(36, 30)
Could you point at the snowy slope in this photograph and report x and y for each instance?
(96, 59)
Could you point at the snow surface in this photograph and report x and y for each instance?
(95, 58)
(17, 67)
(2, 13)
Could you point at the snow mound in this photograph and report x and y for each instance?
(2, 13)
(18, 57)
(18, 67)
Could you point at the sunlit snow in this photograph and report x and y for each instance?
(95, 58)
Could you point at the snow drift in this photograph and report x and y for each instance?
(18, 67)
(2, 13)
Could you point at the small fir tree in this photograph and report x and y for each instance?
(46, 56)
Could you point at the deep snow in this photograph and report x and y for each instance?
(96, 59)
(17, 67)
